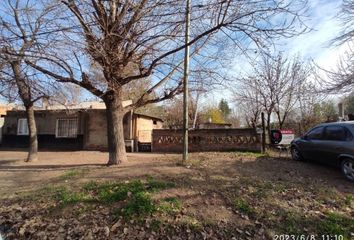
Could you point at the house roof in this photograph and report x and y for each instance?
(78, 106)
(84, 106)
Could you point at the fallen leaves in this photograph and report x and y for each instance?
(271, 202)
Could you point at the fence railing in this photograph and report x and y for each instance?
(245, 139)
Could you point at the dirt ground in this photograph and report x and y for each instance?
(17, 175)
(220, 196)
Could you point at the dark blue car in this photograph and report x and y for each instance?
(328, 143)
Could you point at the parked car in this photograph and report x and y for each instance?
(328, 143)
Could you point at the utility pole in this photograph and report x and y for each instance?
(185, 86)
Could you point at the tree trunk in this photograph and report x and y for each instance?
(281, 119)
(115, 131)
(32, 129)
(278, 118)
(24, 91)
(268, 126)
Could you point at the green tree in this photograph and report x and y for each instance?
(225, 109)
(320, 113)
(213, 115)
(327, 112)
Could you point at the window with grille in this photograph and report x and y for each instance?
(22, 126)
(66, 128)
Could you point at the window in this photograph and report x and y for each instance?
(66, 128)
(315, 134)
(337, 133)
(22, 126)
(154, 122)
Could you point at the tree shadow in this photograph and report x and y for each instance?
(11, 149)
(9, 161)
(285, 170)
(52, 167)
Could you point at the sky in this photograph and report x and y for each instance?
(313, 46)
(325, 26)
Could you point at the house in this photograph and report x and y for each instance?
(78, 127)
(3, 109)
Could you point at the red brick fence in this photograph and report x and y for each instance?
(245, 139)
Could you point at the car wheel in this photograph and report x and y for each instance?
(348, 169)
(295, 154)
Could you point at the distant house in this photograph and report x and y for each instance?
(78, 127)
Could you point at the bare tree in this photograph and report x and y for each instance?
(346, 16)
(196, 106)
(293, 75)
(20, 25)
(274, 86)
(248, 101)
(135, 39)
(341, 79)
(173, 112)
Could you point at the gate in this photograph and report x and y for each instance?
(144, 140)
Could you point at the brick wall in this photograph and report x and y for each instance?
(245, 139)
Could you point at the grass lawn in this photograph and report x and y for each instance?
(215, 196)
